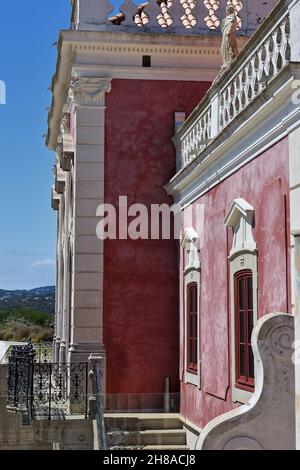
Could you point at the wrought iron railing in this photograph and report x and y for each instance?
(46, 390)
(259, 63)
(20, 379)
(43, 351)
(100, 410)
(60, 390)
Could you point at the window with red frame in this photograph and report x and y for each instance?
(192, 328)
(243, 330)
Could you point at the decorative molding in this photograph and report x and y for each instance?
(60, 180)
(55, 199)
(240, 217)
(243, 255)
(89, 91)
(267, 421)
(190, 245)
(239, 262)
(192, 275)
(65, 124)
(140, 48)
(185, 51)
(190, 242)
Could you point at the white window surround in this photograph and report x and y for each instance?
(240, 217)
(190, 243)
(243, 255)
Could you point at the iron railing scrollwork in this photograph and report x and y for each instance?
(43, 352)
(100, 410)
(20, 379)
(60, 390)
(45, 390)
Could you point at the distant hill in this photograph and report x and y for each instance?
(41, 299)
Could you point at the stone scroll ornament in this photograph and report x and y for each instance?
(229, 47)
(267, 421)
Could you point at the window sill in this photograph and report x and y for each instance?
(192, 379)
(241, 396)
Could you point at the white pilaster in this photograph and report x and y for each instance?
(88, 95)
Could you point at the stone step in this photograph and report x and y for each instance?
(166, 447)
(147, 437)
(142, 421)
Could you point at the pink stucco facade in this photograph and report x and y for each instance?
(141, 328)
(264, 183)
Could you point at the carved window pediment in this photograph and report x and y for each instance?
(190, 243)
(240, 217)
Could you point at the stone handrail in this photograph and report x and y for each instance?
(267, 421)
(260, 62)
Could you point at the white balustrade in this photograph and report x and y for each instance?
(176, 16)
(236, 88)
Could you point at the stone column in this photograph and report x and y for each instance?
(67, 276)
(59, 285)
(88, 96)
(56, 340)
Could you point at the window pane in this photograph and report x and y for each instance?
(251, 363)
(190, 358)
(192, 333)
(250, 325)
(191, 325)
(250, 292)
(191, 299)
(195, 290)
(242, 360)
(241, 293)
(195, 352)
(242, 327)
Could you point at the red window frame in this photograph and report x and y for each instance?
(243, 305)
(192, 327)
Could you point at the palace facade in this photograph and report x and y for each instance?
(140, 109)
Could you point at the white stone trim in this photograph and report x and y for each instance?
(190, 242)
(118, 55)
(240, 218)
(191, 274)
(262, 124)
(148, 73)
(243, 256)
(241, 262)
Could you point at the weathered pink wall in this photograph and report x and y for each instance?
(264, 184)
(141, 328)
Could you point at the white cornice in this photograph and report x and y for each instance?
(175, 57)
(269, 118)
(146, 73)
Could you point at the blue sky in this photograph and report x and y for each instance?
(27, 60)
(27, 63)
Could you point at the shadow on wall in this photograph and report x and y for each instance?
(14, 435)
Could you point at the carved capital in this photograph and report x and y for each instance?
(89, 91)
(65, 124)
